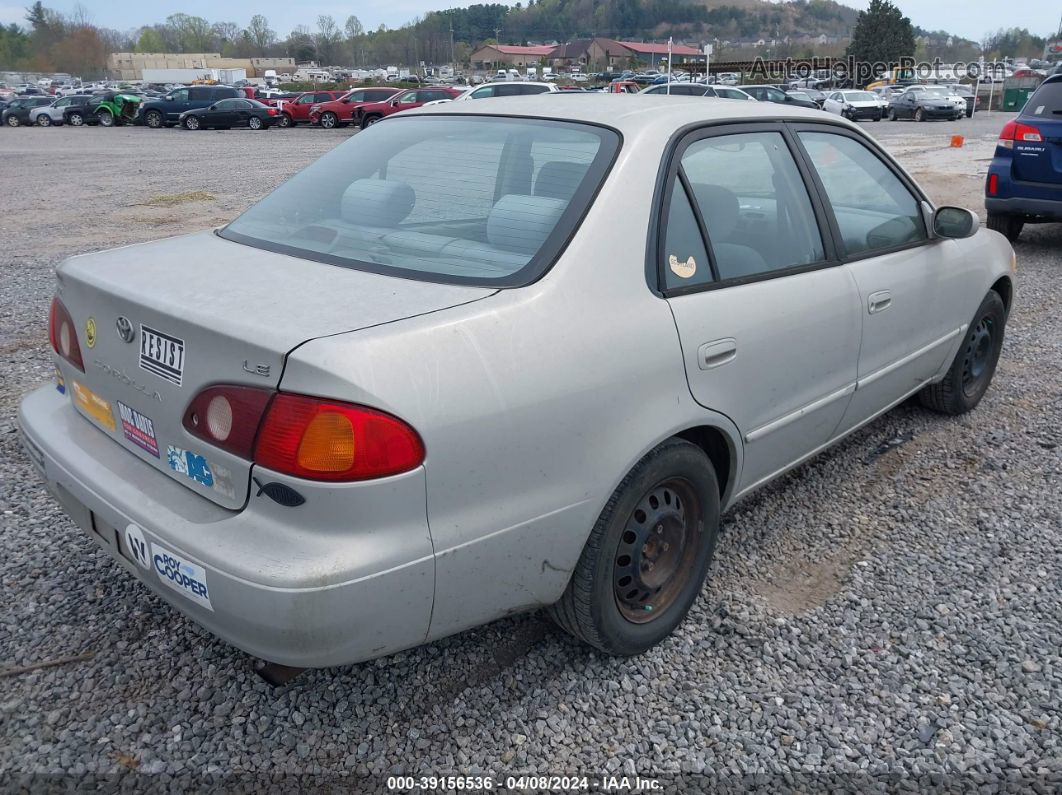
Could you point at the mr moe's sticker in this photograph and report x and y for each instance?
(138, 428)
(684, 270)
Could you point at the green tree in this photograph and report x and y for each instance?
(150, 40)
(882, 34)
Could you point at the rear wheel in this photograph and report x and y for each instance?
(154, 119)
(105, 118)
(647, 555)
(974, 365)
(75, 119)
(329, 120)
(44, 120)
(191, 122)
(1007, 225)
(920, 115)
(254, 123)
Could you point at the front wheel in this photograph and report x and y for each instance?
(284, 120)
(254, 123)
(647, 555)
(154, 120)
(974, 365)
(892, 114)
(44, 120)
(191, 123)
(13, 121)
(329, 120)
(370, 120)
(1008, 225)
(105, 118)
(920, 115)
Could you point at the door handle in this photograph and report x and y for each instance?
(879, 301)
(716, 353)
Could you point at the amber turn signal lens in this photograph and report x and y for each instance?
(327, 444)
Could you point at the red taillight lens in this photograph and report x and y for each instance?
(1022, 133)
(228, 416)
(271, 111)
(993, 184)
(325, 440)
(63, 335)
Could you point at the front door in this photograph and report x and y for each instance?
(911, 288)
(768, 320)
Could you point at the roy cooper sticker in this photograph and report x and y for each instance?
(186, 578)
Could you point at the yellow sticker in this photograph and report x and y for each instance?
(90, 332)
(93, 405)
(683, 270)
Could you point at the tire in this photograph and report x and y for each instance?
(191, 123)
(974, 365)
(920, 115)
(255, 123)
(284, 120)
(44, 120)
(13, 121)
(329, 121)
(892, 114)
(618, 617)
(370, 120)
(154, 120)
(105, 118)
(75, 119)
(1008, 225)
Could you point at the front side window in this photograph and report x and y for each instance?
(754, 204)
(305, 99)
(461, 200)
(181, 95)
(873, 208)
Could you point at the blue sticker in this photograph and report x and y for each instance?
(189, 464)
(60, 384)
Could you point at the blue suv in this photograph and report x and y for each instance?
(1025, 178)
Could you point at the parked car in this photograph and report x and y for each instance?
(55, 113)
(226, 113)
(415, 432)
(680, 90)
(18, 110)
(83, 110)
(776, 95)
(1024, 184)
(297, 111)
(922, 103)
(854, 105)
(340, 112)
(732, 92)
(112, 108)
(513, 88)
(816, 96)
(967, 93)
(166, 112)
(369, 114)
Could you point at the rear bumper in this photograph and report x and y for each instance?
(347, 579)
(1036, 209)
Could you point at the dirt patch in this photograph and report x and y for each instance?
(801, 586)
(173, 199)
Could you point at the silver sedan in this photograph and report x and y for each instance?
(480, 360)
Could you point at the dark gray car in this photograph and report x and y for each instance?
(922, 103)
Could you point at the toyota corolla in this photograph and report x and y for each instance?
(480, 360)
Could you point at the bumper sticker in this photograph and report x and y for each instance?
(93, 405)
(189, 464)
(60, 382)
(186, 578)
(138, 429)
(138, 548)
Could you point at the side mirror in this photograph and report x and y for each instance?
(394, 103)
(955, 223)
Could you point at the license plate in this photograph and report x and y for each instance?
(162, 354)
(93, 405)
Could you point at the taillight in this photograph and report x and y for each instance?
(271, 111)
(321, 439)
(1022, 133)
(63, 335)
(993, 184)
(228, 416)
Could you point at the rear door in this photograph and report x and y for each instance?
(1041, 161)
(767, 318)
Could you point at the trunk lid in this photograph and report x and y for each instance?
(1041, 161)
(158, 322)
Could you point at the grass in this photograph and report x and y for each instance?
(173, 199)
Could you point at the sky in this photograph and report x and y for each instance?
(971, 19)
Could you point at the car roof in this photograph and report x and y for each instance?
(628, 113)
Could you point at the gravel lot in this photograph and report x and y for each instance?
(892, 608)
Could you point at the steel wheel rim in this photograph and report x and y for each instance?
(657, 550)
(975, 363)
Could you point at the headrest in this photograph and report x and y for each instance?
(720, 208)
(558, 179)
(522, 223)
(377, 202)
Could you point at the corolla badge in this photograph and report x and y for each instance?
(114, 372)
(125, 329)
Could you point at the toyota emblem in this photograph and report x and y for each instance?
(125, 329)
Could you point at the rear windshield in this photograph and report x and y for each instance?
(456, 199)
(1046, 102)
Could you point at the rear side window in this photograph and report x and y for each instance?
(874, 209)
(1046, 102)
(754, 204)
(686, 262)
(460, 200)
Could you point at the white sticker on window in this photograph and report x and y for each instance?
(1039, 109)
(684, 270)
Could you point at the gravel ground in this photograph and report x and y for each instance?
(892, 608)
